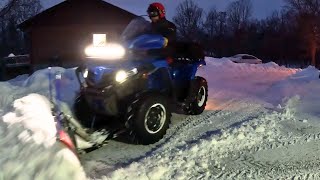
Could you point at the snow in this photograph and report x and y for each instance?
(261, 121)
(28, 142)
(11, 55)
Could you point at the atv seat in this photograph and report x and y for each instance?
(188, 52)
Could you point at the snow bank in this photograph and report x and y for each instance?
(27, 130)
(33, 112)
(228, 80)
(39, 83)
(305, 84)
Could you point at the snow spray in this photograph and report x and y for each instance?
(50, 85)
(56, 102)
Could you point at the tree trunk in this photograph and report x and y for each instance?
(313, 52)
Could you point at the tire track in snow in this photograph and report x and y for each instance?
(307, 170)
(196, 126)
(287, 141)
(288, 166)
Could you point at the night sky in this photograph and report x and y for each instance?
(261, 8)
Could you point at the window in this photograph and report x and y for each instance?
(247, 57)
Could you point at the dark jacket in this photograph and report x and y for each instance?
(169, 31)
(166, 29)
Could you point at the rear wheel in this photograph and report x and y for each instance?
(149, 118)
(198, 96)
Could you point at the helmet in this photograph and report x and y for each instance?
(156, 9)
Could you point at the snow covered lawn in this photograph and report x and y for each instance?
(261, 122)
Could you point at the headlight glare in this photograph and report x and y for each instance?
(107, 52)
(85, 73)
(121, 76)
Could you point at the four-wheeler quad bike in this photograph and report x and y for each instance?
(136, 89)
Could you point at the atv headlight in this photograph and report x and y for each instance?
(122, 75)
(107, 52)
(85, 73)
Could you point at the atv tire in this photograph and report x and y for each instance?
(149, 118)
(197, 97)
(82, 111)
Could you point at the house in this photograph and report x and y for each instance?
(59, 35)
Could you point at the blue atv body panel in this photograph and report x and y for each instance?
(147, 41)
(155, 81)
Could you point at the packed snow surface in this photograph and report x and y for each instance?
(261, 122)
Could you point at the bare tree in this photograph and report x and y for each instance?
(304, 6)
(307, 14)
(21, 9)
(5, 8)
(239, 13)
(215, 23)
(12, 13)
(210, 25)
(214, 28)
(188, 19)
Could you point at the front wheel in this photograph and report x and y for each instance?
(198, 96)
(149, 118)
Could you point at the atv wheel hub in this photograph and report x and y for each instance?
(201, 96)
(155, 118)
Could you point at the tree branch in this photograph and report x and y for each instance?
(6, 9)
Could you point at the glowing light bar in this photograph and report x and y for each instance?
(109, 51)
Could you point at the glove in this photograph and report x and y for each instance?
(165, 43)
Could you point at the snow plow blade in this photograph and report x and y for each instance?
(86, 141)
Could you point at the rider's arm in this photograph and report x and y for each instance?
(170, 33)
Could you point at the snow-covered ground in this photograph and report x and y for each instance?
(261, 122)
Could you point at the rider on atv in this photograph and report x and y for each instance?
(160, 25)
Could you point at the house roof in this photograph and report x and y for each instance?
(29, 22)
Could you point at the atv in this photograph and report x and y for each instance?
(136, 89)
